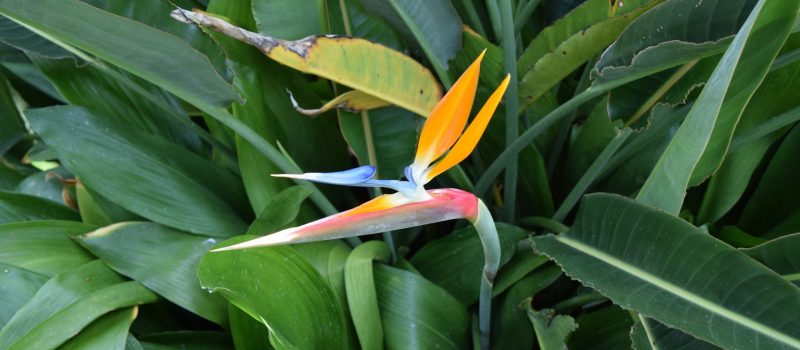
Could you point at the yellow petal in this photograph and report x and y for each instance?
(449, 117)
(382, 202)
(469, 140)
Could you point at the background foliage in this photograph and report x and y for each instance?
(132, 144)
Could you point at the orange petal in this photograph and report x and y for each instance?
(449, 117)
(469, 140)
(382, 202)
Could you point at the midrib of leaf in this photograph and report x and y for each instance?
(679, 291)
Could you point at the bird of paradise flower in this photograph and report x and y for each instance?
(413, 205)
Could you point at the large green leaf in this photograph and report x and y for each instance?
(108, 332)
(672, 33)
(417, 314)
(708, 127)
(13, 128)
(566, 45)
(607, 328)
(433, 26)
(647, 260)
(246, 331)
(23, 207)
(162, 259)
(159, 57)
(154, 178)
(69, 302)
(17, 286)
(451, 262)
(43, 247)
(275, 285)
(551, 330)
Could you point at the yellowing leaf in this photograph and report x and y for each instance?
(351, 101)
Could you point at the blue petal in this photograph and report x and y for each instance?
(409, 172)
(348, 177)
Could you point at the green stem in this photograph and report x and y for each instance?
(472, 16)
(487, 232)
(511, 108)
(494, 17)
(525, 14)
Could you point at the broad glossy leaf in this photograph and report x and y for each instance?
(356, 63)
(718, 107)
(643, 259)
(17, 286)
(569, 43)
(44, 247)
(24, 207)
(67, 303)
(432, 25)
(671, 34)
(106, 333)
(362, 297)
(780, 255)
(278, 287)
(19, 37)
(727, 186)
(393, 134)
(453, 262)
(163, 259)
(121, 97)
(417, 314)
(154, 55)
(142, 173)
(46, 184)
(97, 210)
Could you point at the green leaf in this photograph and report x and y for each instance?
(121, 97)
(288, 20)
(668, 35)
(717, 110)
(107, 332)
(551, 330)
(689, 270)
(46, 184)
(170, 184)
(434, 26)
(780, 255)
(162, 259)
(649, 334)
(97, 210)
(19, 37)
(393, 131)
(192, 340)
(43, 247)
(417, 313)
(510, 325)
(69, 302)
(520, 265)
(154, 55)
(351, 101)
(569, 43)
(451, 262)
(17, 286)
(361, 292)
(275, 285)
(23, 207)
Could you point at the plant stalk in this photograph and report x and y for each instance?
(487, 232)
(512, 107)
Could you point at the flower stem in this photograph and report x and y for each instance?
(487, 232)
